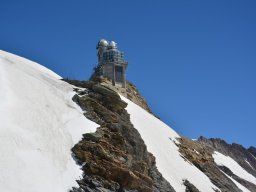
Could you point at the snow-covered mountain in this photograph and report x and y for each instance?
(39, 124)
(53, 133)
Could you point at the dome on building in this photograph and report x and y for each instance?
(103, 42)
(113, 44)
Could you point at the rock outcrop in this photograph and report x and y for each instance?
(130, 91)
(241, 155)
(189, 186)
(252, 150)
(114, 158)
(201, 156)
(244, 157)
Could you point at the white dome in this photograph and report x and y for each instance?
(112, 44)
(103, 42)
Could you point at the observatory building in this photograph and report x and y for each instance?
(111, 63)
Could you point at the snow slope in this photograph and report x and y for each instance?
(230, 163)
(160, 139)
(236, 183)
(39, 124)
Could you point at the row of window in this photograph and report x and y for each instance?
(113, 56)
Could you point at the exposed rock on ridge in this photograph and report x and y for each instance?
(130, 92)
(114, 158)
(252, 150)
(201, 157)
(244, 157)
(235, 151)
(200, 154)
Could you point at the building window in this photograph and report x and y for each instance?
(118, 74)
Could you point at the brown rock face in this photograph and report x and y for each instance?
(201, 156)
(114, 158)
(131, 92)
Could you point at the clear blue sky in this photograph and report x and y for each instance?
(193, 61)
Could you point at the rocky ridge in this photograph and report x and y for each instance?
(201, 157)
(199, 152)
(237, 152)
(130, 91)
(244, 157)
(114, 158)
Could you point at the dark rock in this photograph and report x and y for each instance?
(105, 91)
(252, 150)
(95, 137)
(74, 189)
(161, 185)
(190, 187)
(101, 189)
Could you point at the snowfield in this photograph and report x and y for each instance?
(236, 183)
(230, 163)
(160, 139)
(39, 124)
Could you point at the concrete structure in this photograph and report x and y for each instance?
(111, 63)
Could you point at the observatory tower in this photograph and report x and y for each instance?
(111, 63)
